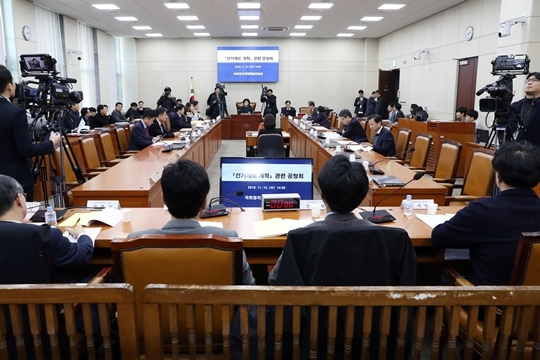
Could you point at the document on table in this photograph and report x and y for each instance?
(434, 220)
(92, 232)
(328, 134)
(277, 226)
(108, 216)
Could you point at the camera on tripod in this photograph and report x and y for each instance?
(501, 91)
(221, 88)
(264, 90)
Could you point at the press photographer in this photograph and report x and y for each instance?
(216, 104)
(15, 141)
(268, 97)
(524, 121)
(167, 100)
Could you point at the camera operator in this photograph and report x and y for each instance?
(70, 119)
(15, 143)
(524, 120)
(270, 99)
(212, 104)
(167, 100)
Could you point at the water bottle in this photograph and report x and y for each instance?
(50, 217)
(408, 206)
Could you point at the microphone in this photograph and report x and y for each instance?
(219, 209)
(379, 171)
(383, 216)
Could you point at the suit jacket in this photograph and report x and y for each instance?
(156, 129)
(194, 227)
(354, 131)
(385, 143)
(395, 115)
(360, 106)
(321, 119)
(213, 102)
(245, 110)
(381, 108)
(139, 139)
(270, 104)
(99, 121)
(178, 122)
(371, 106)
(492, 245)
(133, 113)
(290, 112)
(532, 132)
(117, 116)
(70, 120)
(16, 145)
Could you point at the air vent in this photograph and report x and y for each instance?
(275, 28)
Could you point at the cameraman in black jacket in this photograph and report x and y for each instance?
(166, 100)
(270, 99)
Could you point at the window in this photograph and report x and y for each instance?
(50, 37)
(88, 65)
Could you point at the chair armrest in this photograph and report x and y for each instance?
(444, 181)
(456, 278)
(102, 277)
(423, 170)
(110, 163)
(461, 198)
(99, 169)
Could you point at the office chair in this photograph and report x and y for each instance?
(270, 145)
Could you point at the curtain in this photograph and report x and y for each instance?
(88, 66)
(50, 37)
(9, 49)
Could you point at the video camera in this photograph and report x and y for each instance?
(264, 90)
(52, 91)
(501, 92)
(221, 88)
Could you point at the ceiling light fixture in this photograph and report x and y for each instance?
(126, 18)
(187, 18)
(310, 18)
(303, 27)
(344, 34)
(249, 5)
(176, 6)
(106, 6)
(250, 34)
(202, 34)
(154, 35)
(391, 6)
(356, 27)
(321, 5)
(371, 18)
(142, 27)
(298, 34)
(248, 27)
(249, 17)
(195, 27)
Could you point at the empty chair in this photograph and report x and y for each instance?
(402, 143)
(304, 110)
(447, 164)
(270, 145)
(422, 145)
(90, 155)
(107, 148)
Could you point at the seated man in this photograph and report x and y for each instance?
(288, 110)
(132, 112)
(102, 117)
(160, 126)
(178, 119)
(116, 114)
(320, 118)
(70, 120)
(460, 113)
(313, 108)
(352, 128)
(491, 227)
(471, 116)
(185, 187)
(20, 238)
(140, 135)
(245, 108)
(383, 142)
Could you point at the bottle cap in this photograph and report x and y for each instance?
(409, 197)
(49, 208)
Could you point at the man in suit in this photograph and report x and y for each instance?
(360, 104)
(288, 110)
(16, 145)
(526, 126)
(178, 119)
(503, 217)
(383, 142)
(159, 126)
(140, 133)
(167, 100)
(102, 118)
(380, 107)
(20, 238)
(313, 108)
(212, 104)
(394, 112)
(320, 118)
(70, 120)
(271, 102)
(117, 115)
(185, 186)
(371, 105)
(352, 128)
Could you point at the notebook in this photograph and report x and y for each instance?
(387, 180)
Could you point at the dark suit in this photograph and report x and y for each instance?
(100, 120)
(270, 104)
(245, 110)
(384, 143)
(130, 113)
(360, 106)
(354, 131)
(381, 108)
(213, 102)
(16, 146)
(491, 228)
(178, 121)
(288, 112)
(139, 138)
(371, 106)
(157, 129)
(395, 115)
(168, 102)
(532, 132)
(70, 120)
(321, 119)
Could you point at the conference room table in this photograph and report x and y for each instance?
(251, 143)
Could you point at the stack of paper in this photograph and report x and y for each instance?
(277, 226)
(108, 216)
(92, 232)
(434, 220)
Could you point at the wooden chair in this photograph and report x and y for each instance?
(419, 157)
(446, 170)
(479, 179)
(177, 259)
(402, 143)
(92, 163)
(515, 325)
(333, 120)
(239, 104)
(123, 141)
(305, 110)
(111, 158)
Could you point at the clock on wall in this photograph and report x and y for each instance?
(469, 32)
(27, 33)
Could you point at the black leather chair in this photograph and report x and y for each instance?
(270, 145)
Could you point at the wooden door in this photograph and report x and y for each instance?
(467, 82)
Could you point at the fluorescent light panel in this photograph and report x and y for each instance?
(176, 6)
(154, 35)
(187, 18)
(303, 27)
(320, 5)
(195, 27)
(356, 27)
(126, 18)
(201, 34)
(298, 34)
(248, 27)
(142, 27)
(391, 6)
(310, 18)
(249, 34)
(371, 18)
(106, 6)
(344, 34)
(249, 17)
(249, 5)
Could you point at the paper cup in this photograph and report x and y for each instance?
(431, 209)
(315, 210)
(126, 215)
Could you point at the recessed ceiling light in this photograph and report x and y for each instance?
(106, 6)
(298, 34)
(249, 5)
(142, 27)
(154, 35)
(320, 5)
(356, 27)
(249, 17)
(126, 18)
(188, 18)
(201, 34)
(176, 6)
(195, 27)
(371, 18)
(391, 6)
(303, 27)
(249, 27)
(344, 34)
(310, 18)
(249, 34)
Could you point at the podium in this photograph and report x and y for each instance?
(234, 127)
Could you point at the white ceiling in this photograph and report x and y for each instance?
(221, 20)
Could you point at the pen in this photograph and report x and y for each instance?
(76, 222)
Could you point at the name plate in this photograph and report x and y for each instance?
(306, 204)
(155, 177)
(421, 204)
(103, 204)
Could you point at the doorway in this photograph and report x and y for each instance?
(466, 87)
(389, 85)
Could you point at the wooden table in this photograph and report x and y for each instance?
(304, 146)
(251, 142)
(234, 128)
(129, 181)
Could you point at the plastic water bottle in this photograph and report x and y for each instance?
(50, 216)
(408, 206)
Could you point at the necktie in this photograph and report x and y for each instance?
(376, 140)
(146, 128)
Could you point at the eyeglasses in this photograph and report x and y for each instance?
(531, 80)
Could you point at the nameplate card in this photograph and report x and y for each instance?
(32, 206)
(155, 177)
(103, 204)
(307, 204)
(421, 204)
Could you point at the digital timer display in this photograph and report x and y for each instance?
(276, 202)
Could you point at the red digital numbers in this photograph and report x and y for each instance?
(281, 204)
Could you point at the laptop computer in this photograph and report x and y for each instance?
(387, 180)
